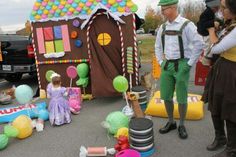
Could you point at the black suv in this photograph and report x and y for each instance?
(16, 57)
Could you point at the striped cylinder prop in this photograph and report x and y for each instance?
(142, 96)
(141, 136)
(130, 67)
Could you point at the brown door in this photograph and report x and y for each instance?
(105, 47)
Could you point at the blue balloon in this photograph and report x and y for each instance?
(23, 94)
(43, 114)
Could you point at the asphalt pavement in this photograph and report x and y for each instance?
(86, 130)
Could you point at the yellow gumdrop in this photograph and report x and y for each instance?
(23, 124)
(122, 132)
(45, 12)
(37, 17)
(129, 4)
(121, 9)
(71, 9)
(37, 4)
(111, 2)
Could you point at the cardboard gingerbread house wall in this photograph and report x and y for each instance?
(67, 33)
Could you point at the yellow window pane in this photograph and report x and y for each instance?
(49, 47)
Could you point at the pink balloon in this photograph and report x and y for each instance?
(71, 72)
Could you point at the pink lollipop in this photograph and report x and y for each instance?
(71, 73)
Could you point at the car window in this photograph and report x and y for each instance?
(6, 37)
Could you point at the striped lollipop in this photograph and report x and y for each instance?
(130, 68)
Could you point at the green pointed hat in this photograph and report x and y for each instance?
(167, 2)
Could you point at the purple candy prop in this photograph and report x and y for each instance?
(76, 23)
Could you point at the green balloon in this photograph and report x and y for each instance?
(82, 70)
(10, 131)
(120, 84)
(48, 75)
(3, 141)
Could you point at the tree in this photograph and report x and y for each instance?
(152, 19)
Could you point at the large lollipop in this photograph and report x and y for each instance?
(71, 72)
(120, 84)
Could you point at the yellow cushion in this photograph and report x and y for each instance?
(156, 107)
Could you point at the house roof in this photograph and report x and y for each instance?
(59, 9)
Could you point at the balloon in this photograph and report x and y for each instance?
(48, 75)
(116, 120)
(3, 141)
(71, 72)
(43, 114)
(23, 94)
(10, 131)
(120, 84)
(23, 124)
(82, 70)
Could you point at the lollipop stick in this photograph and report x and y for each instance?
(70, 82)
(130, 82)
(84, 90)
(126, 99)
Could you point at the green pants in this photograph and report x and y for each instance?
(172, 80)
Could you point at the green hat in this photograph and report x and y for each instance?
(167, 2)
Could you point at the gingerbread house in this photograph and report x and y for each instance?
(97, 32)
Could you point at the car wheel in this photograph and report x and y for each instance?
(13, 77)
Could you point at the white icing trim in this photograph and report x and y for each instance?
(54, 55)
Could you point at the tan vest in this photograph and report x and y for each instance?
(230, 54)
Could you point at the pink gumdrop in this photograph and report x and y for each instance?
(78, 9)
(108, 5)
(52, 11)
(98, 0)
(88, 4)
(44, 3)
(61, 6)
(69, 13)
(35, 8)
(44, 16)
(127, 9)
(118, 0)
(70, 1)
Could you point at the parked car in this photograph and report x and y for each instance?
(140, 31)
(17, 57)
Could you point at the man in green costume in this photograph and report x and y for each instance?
(177, 48)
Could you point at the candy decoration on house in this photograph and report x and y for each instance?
(96, 151)
(82, 70)
(48, 75)
(130, 68)
(75, 99)
(67, 33)
(128, 153)
(71, 72)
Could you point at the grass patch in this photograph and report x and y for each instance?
(146, 47)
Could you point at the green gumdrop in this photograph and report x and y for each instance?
(134, 8)
(82, 70)
(33, 13)
(10, 131)
(3, 141)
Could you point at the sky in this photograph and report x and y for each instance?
(14, 13)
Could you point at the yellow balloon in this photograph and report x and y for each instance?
(23, 124)
(122, 132)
